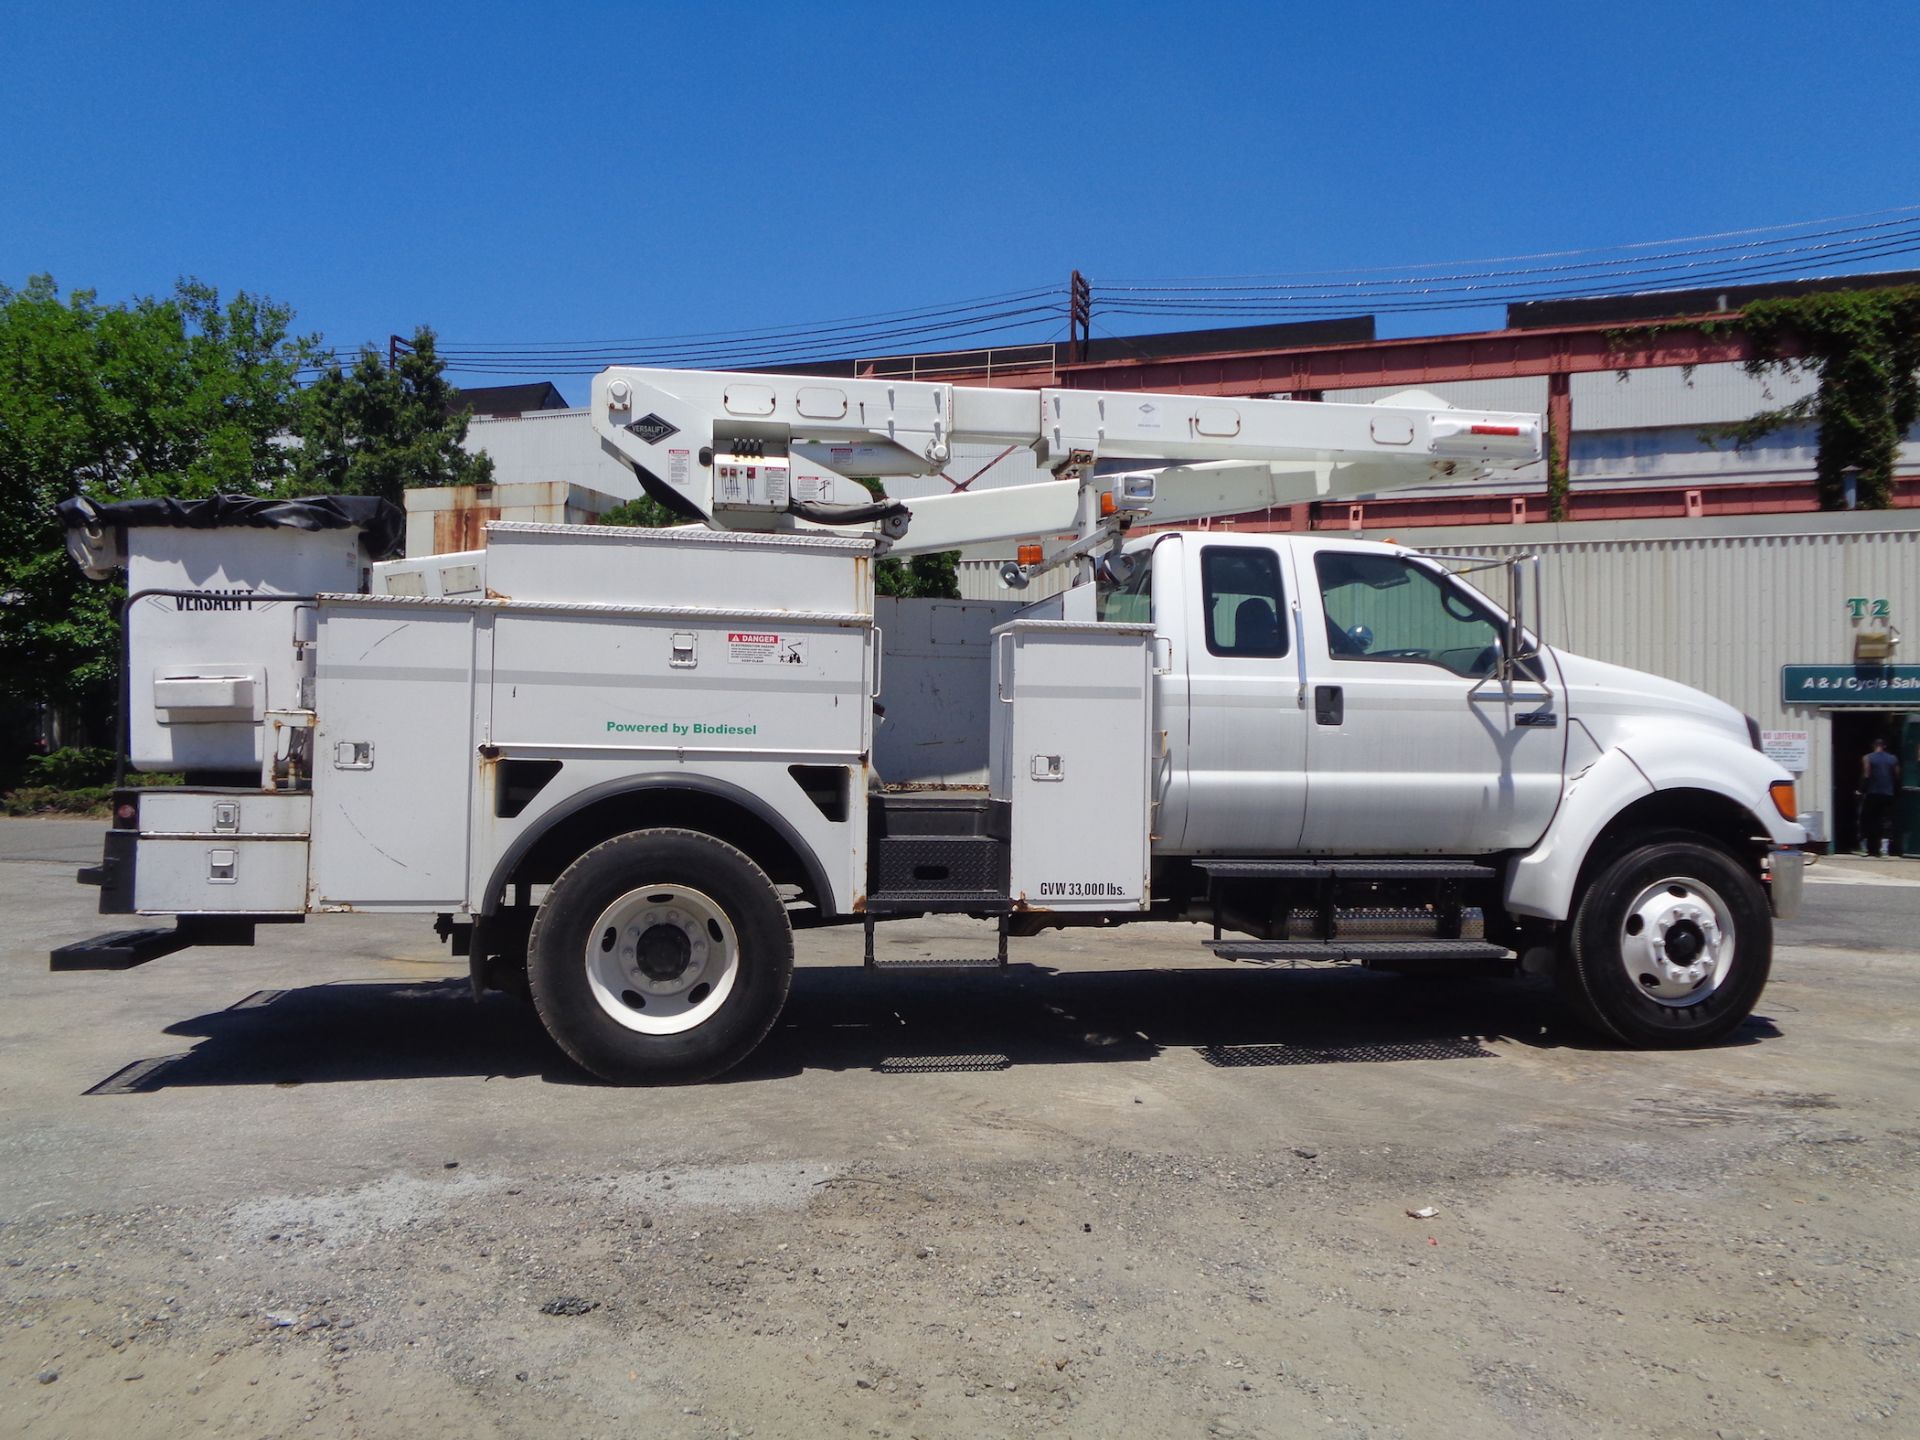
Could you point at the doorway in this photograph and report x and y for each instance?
(1853, 734)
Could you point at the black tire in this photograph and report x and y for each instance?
(1601, 954)
(694, 878)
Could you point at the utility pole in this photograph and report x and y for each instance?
(1079, 318)
(394, 346)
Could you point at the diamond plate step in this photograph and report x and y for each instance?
(1345, 869)
(1360, 950)
(933, 964)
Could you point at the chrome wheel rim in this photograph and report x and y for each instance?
(1677, 941)
(662, 959)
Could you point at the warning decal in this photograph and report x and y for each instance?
(765, 647)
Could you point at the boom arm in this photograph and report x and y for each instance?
(751, 452)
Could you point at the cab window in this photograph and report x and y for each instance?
(1131, 603)
(1245, 609)
(1383, 607)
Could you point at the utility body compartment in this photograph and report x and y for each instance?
(218, 851)
(1073, 758)
(219, 603)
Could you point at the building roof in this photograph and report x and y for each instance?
(1662, 304)
(510, 399)
(1350, 330)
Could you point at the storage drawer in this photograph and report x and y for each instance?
(224, 812)
(220, 874)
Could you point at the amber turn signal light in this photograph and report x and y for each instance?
(1783, 799)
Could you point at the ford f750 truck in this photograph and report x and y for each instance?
(623, 767)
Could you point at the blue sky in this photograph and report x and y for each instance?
(567, 172)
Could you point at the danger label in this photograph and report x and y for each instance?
(765, 647)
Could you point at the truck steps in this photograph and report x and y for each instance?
(935, 964)
(1364, 952)
(1344, 870)
(124, 949)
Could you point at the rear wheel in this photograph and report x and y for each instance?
(1670, 945)
(660, 956)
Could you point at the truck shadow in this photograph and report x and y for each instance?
(1239, 1018)
(841, 1018)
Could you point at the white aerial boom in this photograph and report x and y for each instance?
(757, 452)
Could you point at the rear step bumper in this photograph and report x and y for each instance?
(124, 949)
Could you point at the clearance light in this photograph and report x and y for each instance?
(1030, 554)
(1489, 438)
(1783, 799)
(1108, 505)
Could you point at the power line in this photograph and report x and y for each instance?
(1687, 262)
(1560, 254)
(1681, 261)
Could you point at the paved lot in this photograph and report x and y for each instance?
(309, 1188)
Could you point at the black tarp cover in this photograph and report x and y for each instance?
(384, 523)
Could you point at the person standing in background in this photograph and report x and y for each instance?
(1879, 783)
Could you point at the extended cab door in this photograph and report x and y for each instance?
(1231, 706)
(1413, 744)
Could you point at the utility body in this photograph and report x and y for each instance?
(623, 766)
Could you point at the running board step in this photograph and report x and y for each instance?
(1344, 870)
(950, 903)
(1363, 951)
(124, 949)
(935, 965)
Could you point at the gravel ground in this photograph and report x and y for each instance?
(310, 1188)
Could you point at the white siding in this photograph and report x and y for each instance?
(548, 445)
(1672, 395)
(1526, 393)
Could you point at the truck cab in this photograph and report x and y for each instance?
(1341, 697)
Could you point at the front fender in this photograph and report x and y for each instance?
(1540, 883)
(1670, 757)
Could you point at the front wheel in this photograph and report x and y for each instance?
(1670, 945)
(660, 956)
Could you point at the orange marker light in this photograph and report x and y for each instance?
(1108, 505)
(1030, 554)
(1783, 799)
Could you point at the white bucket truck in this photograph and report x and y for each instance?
(624, 766)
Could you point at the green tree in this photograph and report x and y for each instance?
(179, 396)
(643, 512)
(929, 577)
(1864, 348)
(381, 429)
(925, 577)
(934, 577)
